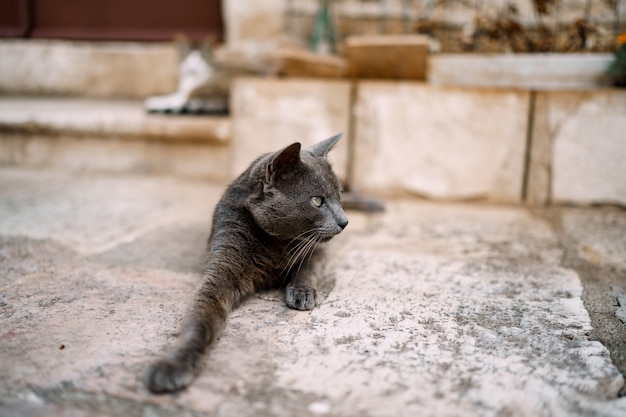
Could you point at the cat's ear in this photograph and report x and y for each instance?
(206, 48)
(184, 45)
(283, 162)
(322, 148)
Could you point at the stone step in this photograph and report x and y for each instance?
(138, 70)
(93, 69)
(80, 134)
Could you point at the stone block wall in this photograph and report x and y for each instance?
(580, 141)
(269, 114)
(443, 143)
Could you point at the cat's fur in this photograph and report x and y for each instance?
(268, 222)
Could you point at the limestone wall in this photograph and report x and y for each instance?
(528, 144)
(270, 114)
(583, 135)
(447, 143)
(441, 143)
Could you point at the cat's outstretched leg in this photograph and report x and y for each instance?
(203, 323)
(179, 367)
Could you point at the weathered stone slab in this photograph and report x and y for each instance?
(597, 235)
(589, 149)
(400, 57)
(93, 214)
(12, 407)
(269, 114)
(517, 71)
(440, 143)
(301, 62)
(428, 309)
(79, 135)
(113, 155)
(124, 119)
(450, 338)
(594, 245)
(95, 69)
(70, 327)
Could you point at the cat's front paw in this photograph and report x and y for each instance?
(300, 298)
(166, 375)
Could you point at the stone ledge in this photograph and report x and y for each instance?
(94, 69)
(520, 71)
(119, 119)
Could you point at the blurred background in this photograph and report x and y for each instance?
(508, 101)
(458, 25)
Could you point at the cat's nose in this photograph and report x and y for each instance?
(339, 215)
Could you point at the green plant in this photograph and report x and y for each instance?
(617, 69)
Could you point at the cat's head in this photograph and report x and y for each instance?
(300, 194)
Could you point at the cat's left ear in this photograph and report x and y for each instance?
(283, 162)
(322, 148)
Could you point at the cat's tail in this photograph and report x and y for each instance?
(203, 323)
(356, 201)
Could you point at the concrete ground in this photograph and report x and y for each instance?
(426, 310)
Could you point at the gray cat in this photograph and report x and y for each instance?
(268, 222)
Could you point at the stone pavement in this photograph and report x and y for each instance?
(426, 310)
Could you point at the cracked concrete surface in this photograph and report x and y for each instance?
(428, 309)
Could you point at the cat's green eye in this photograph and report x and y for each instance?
(317, 201)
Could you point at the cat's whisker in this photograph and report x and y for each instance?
(308, 253)
(301, 241)
(298, 246)
(295, 255)
(302, 238)
(300, 252)
(289, 264)
(318, 241)
(293, 252)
